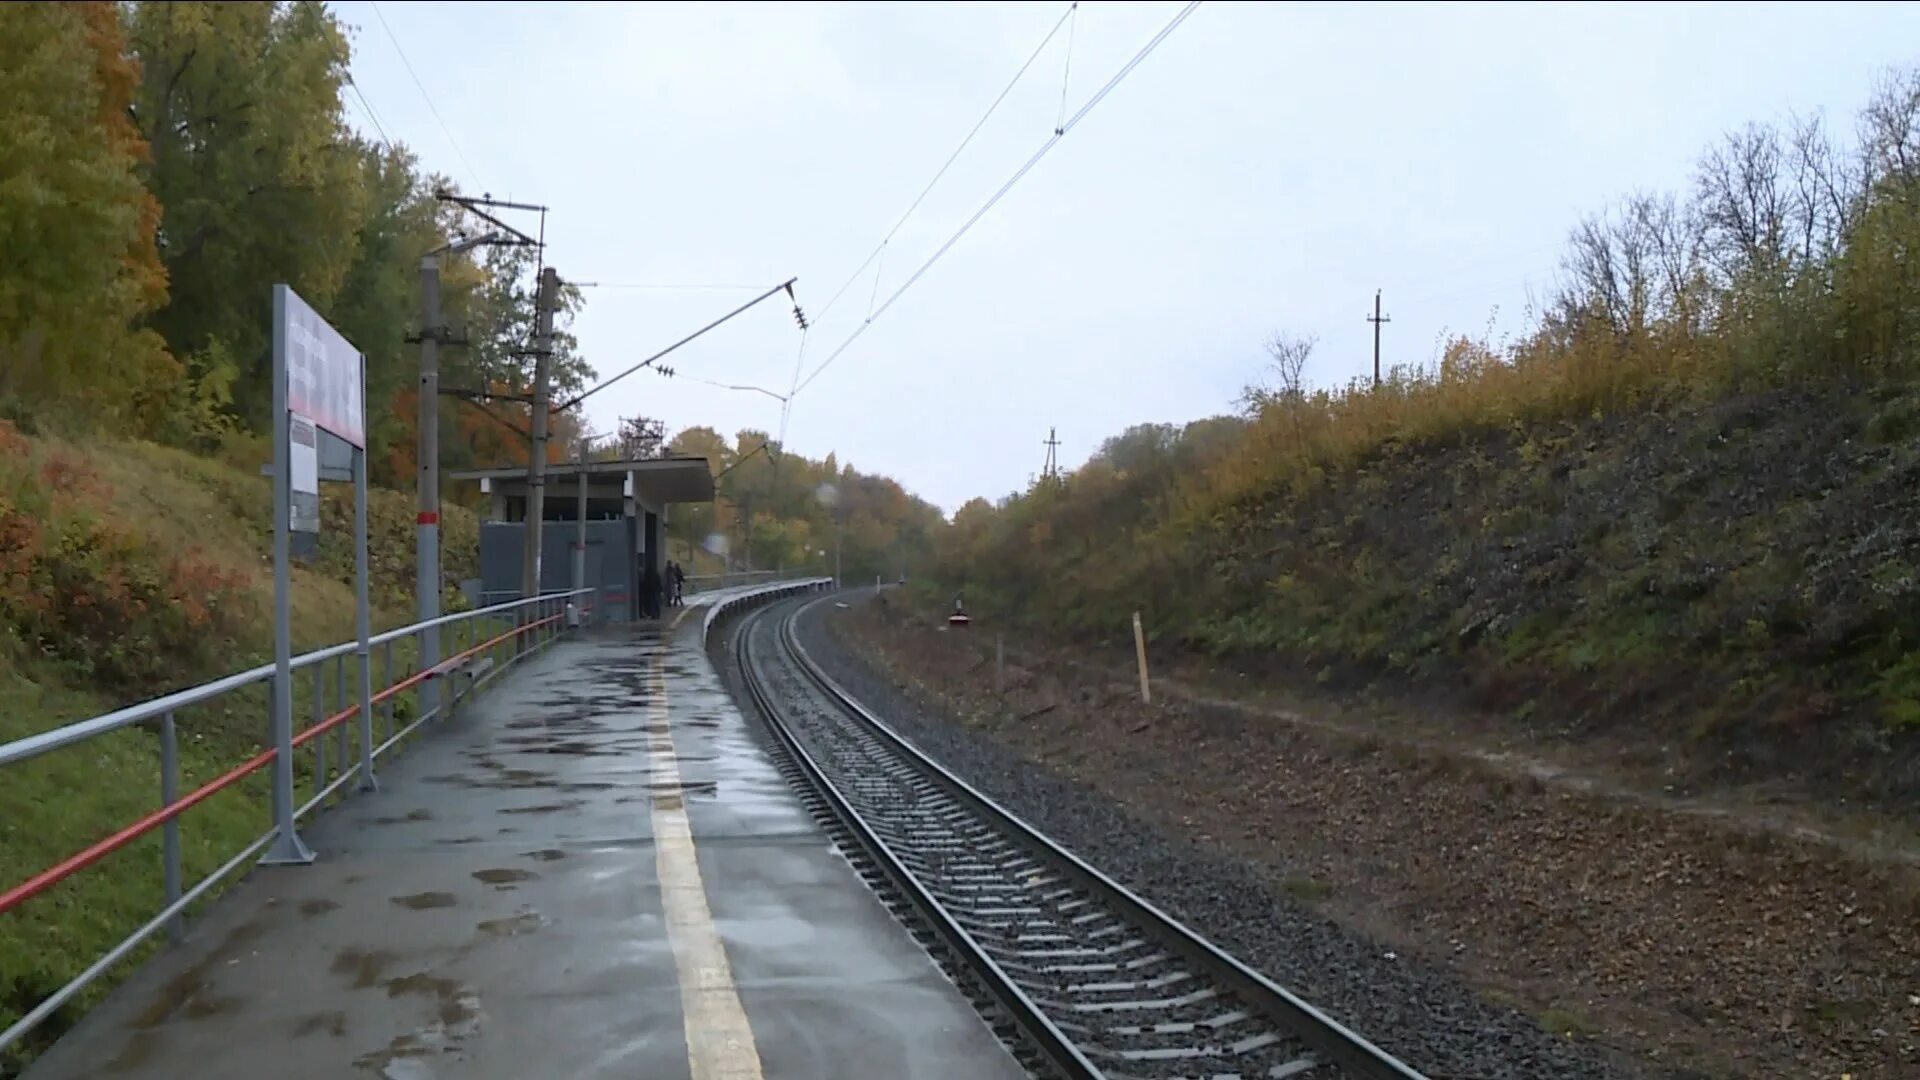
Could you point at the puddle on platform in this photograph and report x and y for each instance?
(457, 1016)
(425, 900)
(541, 744)
(504, 875)
(499, 778)
(190, 994)
(362, 966)
(318, 905)
(136, 1055)
(524, 923)
(546, 854)
(545, 808)
(331, 1023)
(189, 997)
(412, 815)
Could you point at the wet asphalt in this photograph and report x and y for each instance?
(495, 911)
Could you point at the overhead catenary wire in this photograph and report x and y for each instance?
(667, 286)
(649, 361)
(800, 357)
(472, 173)
(1066, 71)
(1018, 174)
(786, 403)
(367, 107)
(948, 164)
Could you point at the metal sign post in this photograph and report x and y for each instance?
(287, 845)
(318, 383)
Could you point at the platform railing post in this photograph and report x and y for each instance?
(426, 676)
(342, 750)
(319, 717)
(365, 654)
(170, 832)
(387, 649)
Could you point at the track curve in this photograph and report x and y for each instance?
(1081, 977)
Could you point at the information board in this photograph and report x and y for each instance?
(323, 374)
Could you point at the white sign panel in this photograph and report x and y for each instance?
(303, 474)
(323, 373)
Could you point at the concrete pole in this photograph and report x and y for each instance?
(537, 464)
(580, 528)
(426, 531)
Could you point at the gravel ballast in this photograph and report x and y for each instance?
(1427, 1017)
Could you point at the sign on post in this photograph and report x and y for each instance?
(303, 482)
(323, 373)
(319, 395)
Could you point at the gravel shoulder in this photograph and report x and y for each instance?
(1419, 1010)
(1534, 929)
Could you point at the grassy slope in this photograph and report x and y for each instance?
(56, 804)
(1732, 575)
(1724, 582)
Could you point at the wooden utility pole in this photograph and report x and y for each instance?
(1376, 319)
(1052, 468)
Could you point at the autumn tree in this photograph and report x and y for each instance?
(75, 221)
(256, 172)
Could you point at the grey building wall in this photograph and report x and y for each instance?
(611, 562)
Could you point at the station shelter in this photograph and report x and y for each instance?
(627, 507)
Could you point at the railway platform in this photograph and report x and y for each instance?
(593, 870)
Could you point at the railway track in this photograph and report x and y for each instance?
(1080, 977)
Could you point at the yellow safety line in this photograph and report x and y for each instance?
(720, 1042)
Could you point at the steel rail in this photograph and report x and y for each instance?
(1340, 1045)
(1042, 1033)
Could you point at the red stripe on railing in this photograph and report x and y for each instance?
(53, 875)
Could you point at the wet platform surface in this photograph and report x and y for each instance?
(593, 870)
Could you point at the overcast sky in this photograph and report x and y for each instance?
(1267, 168)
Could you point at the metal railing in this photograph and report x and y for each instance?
(480, 644)
(774, 591)
(710, 582)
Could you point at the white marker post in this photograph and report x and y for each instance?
(1140, 651)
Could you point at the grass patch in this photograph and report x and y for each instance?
(1568, 1023)
(1307, 890)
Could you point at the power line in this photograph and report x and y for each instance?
(1059, 134)
(951, 158)
(723, 386)
(649, 361)
(800, 358)
(367, 106)
(665, 287)
(1066, 72)
(431, 107)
